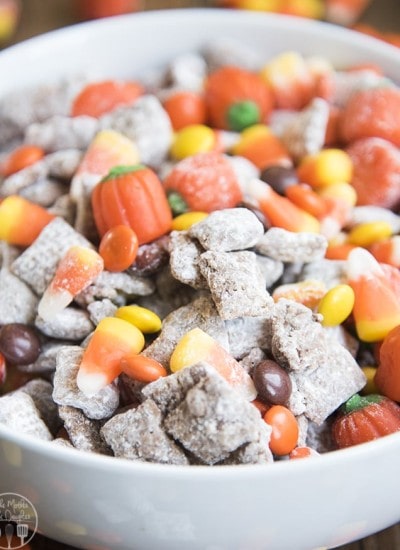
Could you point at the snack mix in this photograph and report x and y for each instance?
(201, 267)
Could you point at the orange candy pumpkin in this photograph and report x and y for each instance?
(237, 98)
(364, 418)
(133, 196)
(387, 376)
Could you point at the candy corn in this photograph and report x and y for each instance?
(280, 211)
(196, 345)
(377, 306)
(76, 270)
(21, 221)
(344, 12)
(112, 340)
(387, 251)
(259, 145)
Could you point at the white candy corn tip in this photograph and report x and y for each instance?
(361, 263)
(53, 302)
(91, 383)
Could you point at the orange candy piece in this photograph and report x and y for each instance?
(142, 368)
(387, 251)
(377, 303)
(21, 221)
(376, 172)
(98, 98)
(387, 377)
(285, 430)
(344, 12)
(118, 248)
(205, 182)
(374, 112)
(113, 340)
(75, 271)
(21, 158)
(185, 108)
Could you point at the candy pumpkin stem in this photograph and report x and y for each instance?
(177, 204)
(357, 402)
(243, 114)
(122, 170)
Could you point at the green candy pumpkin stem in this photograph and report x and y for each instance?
(177, 204)
(121, 170)
(357, 402)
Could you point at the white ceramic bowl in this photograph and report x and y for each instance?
(100, 502)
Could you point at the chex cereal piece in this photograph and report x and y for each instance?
(257, 331)
(172, 292)
(44, 192)
(147, 124)
(271, 269)
(99, 309)
(46, 362)
(330, 272)
(184, 258)
(228, 229)
(287, 246)
(20, 108)
(138, 434)
(26, 177)
(117, 287)
(83, 432)
(324, 372)
(37, 264)
(18, 304)
(304, 133)
(319, 436)
(19, 413)
(208, 417)
(244, 169)
(8, 253)
(63, 164)
(187, 71)
(41, 392)
(344, 338)
(228, 51)
(66, 392)
(302, 423)
(62, 132)
(69, 324)
(130, 390)
(236, 283)
(200, 313)
(60, 441)
(64, 207)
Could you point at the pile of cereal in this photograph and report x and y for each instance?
(202, 267)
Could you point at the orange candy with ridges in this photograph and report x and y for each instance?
(372, 113)
(205, 182)
(99, 98)
(236, 98)
(133, 196)
(118, 248)
(376, 172)
(387, 378)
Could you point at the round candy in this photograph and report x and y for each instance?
(19, 343)
(118, 248)
(272, 382)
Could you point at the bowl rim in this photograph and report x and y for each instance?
(278, 468)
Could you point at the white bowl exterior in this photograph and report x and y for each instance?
(87, 500)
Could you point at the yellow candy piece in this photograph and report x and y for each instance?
(370, 386)
(249, 136)
(196, 345)
(142, 318)
(340, 190)
(327, 167)
(186, 220)
(192, 139)
(336, 305)
(365, 234)
(259, 5)
(313, 9)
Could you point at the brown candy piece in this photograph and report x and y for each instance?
(19, 343)
(272, 382)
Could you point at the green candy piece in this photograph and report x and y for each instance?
(177, 203)
(121, 170)
(243, 114)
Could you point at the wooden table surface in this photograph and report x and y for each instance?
(39, 16)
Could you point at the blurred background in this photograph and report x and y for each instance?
(22, 19)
